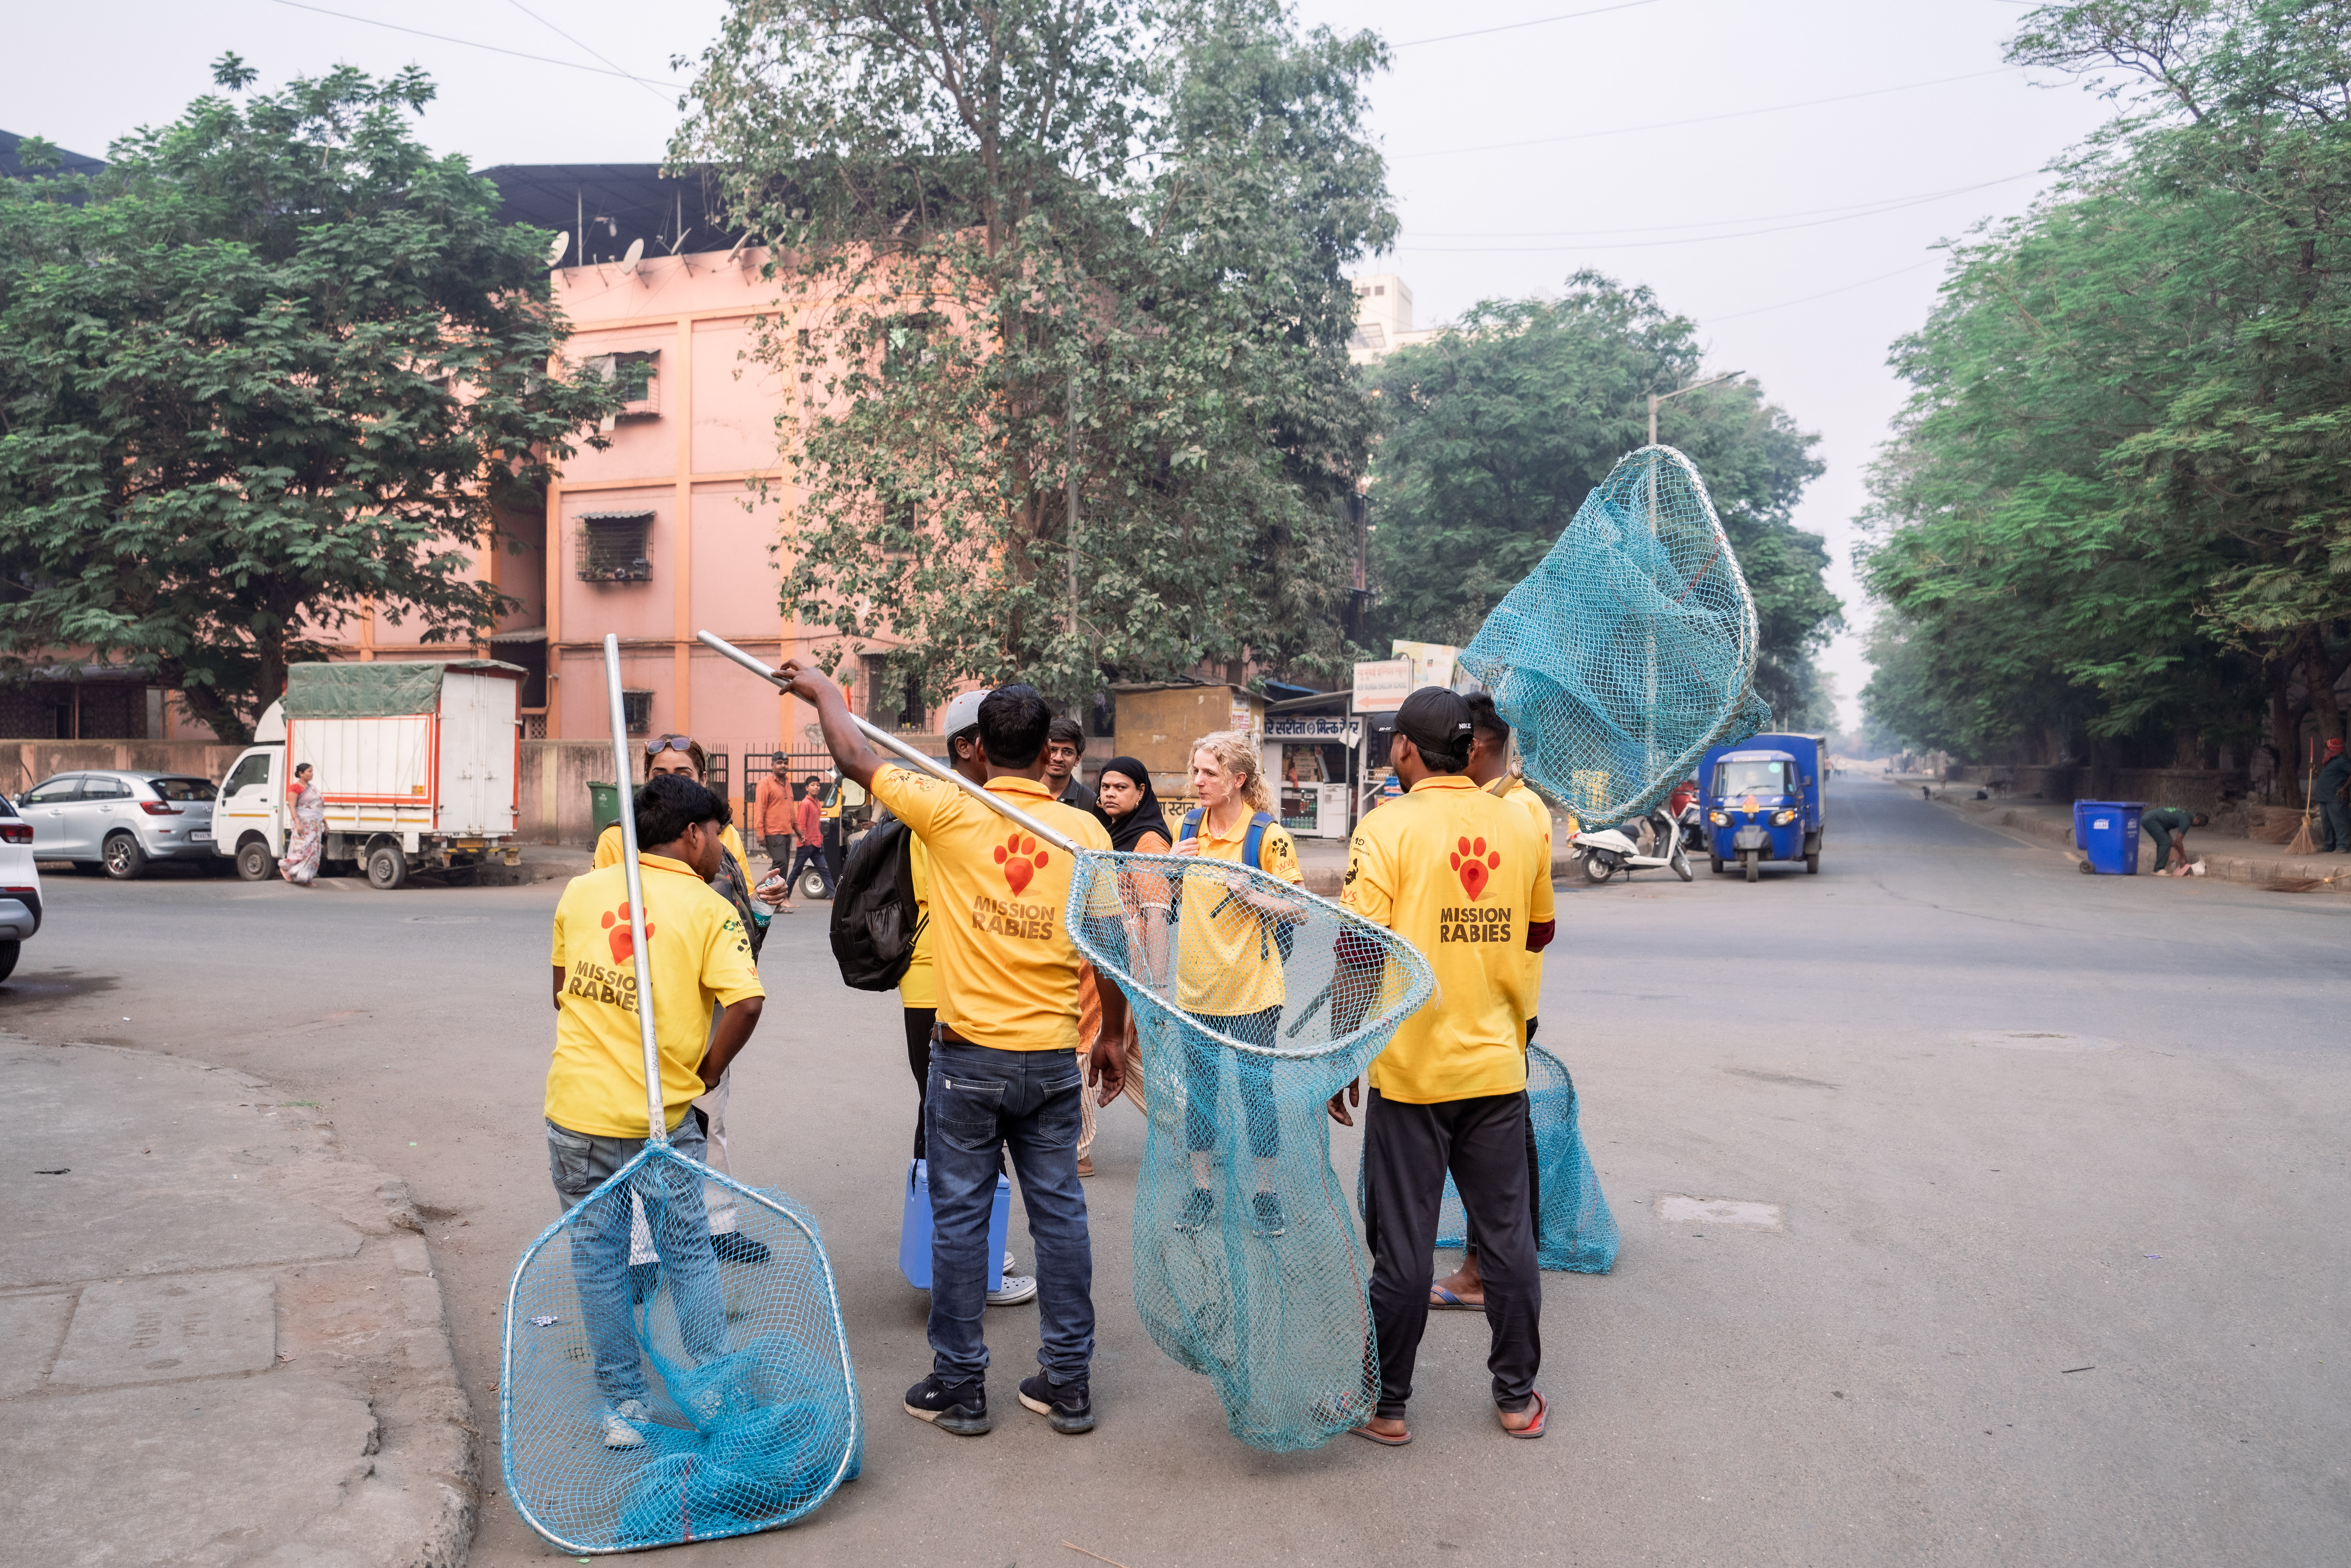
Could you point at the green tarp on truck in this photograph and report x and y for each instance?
(383, 689)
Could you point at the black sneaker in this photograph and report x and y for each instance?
(957, 1408)
(1065, 1405)
(734, 1247)
(1271, 1221)
(1198, 1210)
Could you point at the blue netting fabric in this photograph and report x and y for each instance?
(1254, 1003)
(1573, 1229)
(724, 1360)
(1630, 649)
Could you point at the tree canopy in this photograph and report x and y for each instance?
(275, 363)
(1499, 427)
(2115, 513)
(1064, 297)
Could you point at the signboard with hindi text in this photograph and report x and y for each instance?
(1382, 685)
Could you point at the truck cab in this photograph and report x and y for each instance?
(1763, 801)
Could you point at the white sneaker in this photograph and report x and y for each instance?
(1017, 1288)
(620, 1431)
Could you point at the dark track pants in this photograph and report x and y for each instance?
(1407, 1150)
(918, 1057)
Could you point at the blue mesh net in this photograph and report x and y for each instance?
(1630, 649)
(1254, 1003)
(662, 1384)
(1573, 1229)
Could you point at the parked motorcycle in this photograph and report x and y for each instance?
(1608, 851)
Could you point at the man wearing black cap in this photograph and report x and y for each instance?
(1465, 878)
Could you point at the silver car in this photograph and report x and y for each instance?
(119, 820)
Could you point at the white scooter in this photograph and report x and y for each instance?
(1609, 850)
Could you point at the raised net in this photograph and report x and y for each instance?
(1255, 1001)
(1630, 649)
(1575, 1232)
(662, 1384)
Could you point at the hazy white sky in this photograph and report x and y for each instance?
(1801, 237)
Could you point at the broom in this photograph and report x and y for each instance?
(2302, 845)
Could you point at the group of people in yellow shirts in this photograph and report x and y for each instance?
(1013, 1043)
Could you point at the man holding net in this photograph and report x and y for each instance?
(1465, 879)
(1004, 1067)
(700, 957)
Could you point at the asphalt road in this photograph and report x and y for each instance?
(2062, 1277)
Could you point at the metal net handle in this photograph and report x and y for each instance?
(656, 1113)
(898, 748)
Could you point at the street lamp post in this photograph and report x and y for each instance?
(1657, 398)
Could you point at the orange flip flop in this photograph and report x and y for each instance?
(1535, 1428)
(1382, 1438)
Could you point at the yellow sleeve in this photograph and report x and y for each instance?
(1543, 907)
(916, 799)
(608, 847)
(1276, 856)
(726, 969)
(1370, 888)
(558, 954)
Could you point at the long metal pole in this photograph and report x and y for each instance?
(656, 1113)
(891, 743)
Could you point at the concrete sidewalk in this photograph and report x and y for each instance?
(221, 1340)
(2231, 858)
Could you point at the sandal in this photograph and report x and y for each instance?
(1441, 1300)
(1382, 1438)
(1533, 1428)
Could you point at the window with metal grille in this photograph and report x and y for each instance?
(637, 708)
(639, 375)
(613, 547)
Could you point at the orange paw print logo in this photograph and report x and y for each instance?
(1476, 864)
(616, 930)
(1021, 857)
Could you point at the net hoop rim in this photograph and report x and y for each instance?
(506, 1342)
(1422, 979)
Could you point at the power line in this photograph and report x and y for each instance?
(576, 44)
(1514, 26)
(1671, 124)
(470, 44)
(1892, 206)
(1823, 294)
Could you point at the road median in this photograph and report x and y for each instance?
(2257, 864)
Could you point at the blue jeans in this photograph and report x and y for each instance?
(1254, 1073)
(981, 1101)
(810, 855)
(672, 1197)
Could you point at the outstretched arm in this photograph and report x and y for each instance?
(857, 759)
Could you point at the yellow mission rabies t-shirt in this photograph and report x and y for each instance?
(1004, 969)
(1229, 957)
(919, 985)
(1522, 795)
(700, 958)
(1460, 875)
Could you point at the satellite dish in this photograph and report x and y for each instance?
(738, 247)
(555, 252)
(629, 260)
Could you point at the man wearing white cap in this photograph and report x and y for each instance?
(918, 991)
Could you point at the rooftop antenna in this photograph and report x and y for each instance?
(632, 258)
(555, 252)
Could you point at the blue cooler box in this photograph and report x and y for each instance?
(2107, 832)
(914, 1227)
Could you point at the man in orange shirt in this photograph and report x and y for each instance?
(1004, 1071)
(773, 818)
(1464, 878)
(808, 819)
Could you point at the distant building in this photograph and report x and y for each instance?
(1383, 318)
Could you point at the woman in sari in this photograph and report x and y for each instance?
(1137, 827)
(308, 839)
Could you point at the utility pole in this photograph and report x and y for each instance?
(1657, 398)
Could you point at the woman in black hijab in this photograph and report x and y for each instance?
(1137, 826)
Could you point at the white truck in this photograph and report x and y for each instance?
(418, 759)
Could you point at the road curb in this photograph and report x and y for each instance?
(2263, 873)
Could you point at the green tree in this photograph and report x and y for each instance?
(1035, 254)
(2117, 505)
(1501, 426)
(275, 363)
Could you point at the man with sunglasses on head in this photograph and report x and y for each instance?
(682, 757)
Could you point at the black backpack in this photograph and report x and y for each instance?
(874, 922)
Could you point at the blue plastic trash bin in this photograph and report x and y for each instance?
(2107, 832)
(915, 1228)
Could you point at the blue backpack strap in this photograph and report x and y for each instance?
(1253, 846)
(1191, 824)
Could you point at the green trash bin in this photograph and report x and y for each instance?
(604, 805)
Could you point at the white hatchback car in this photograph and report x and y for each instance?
(20, 887)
